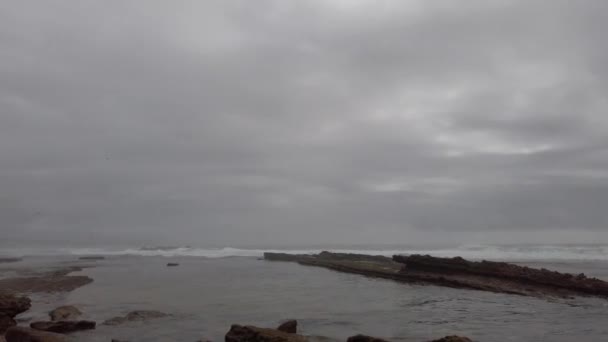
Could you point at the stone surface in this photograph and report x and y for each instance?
(65, 313)
(20, 334)
(63, 327)
(239, 333)
(364, 338)
(290, 326)
(140, 315)
(6, 322)
(12, 305)
(453, 339)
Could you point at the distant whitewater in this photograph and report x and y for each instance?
(476, 252)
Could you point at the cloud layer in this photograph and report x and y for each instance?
(252, 122)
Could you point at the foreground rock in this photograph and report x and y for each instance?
(63, 327)
(456, 272)
(12, 305)
(453, 339)
(55, 281)
(364, 338)
(6, 322)
(290, 326)
(239, 333)
(134, 316)
(19, 334)
(65, 313)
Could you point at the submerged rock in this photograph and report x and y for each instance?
(6, 322)
(140, 315)
(65, 313)
(20, 334)
(364, 338)
(453, 339)
(290, 326)
(92, 257)
(239, 333)
(172, 264)
(12, 305)
(63, 327)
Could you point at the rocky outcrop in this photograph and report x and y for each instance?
(92, 257)
(65, 313)
(453, 339)
(19, 334)
(55, 281)
(6, 322)
(7, 260)
(239, 333)
(364, 338)
(12, 305)
(63, 327)
(133, 316)
(290, 326)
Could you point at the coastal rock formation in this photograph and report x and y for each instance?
(55, 281)
(7, 260)
(63, 327)
(364, 338)
(457, 273)
(19, 334)
(11, 305)
(140, 315)
(290, 326)
(172, 264)
(453, 339)
(92, 257)
(65, 313)
(239, 333)
(6, 322)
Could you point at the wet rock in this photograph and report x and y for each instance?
(172, 264)
(239, 333)
(133, 316)
(12, 305)
(290, 326)
(20, 334)
(65, 313)
(6, 322)
(115, 340)
(453, 339)
(364, 338)
(92, 257)
(63, 327)
(7, 260)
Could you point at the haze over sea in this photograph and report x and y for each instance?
(216, 287)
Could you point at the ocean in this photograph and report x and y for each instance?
(216, 287)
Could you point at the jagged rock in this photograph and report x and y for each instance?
(6, 322)
(172, 264)
(239, 333)
(364, 338)
(20, 334)
(12, 305)
(92, 257)
(65, 313)
(453, 339)
(290, 326)
(140, 315)
(63, 327)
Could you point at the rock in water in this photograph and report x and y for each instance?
(6, 322)
(290, 326)
(63, 327)
(140, 315)
(364, 338)
(6, 260)
(12, 305)
(19, 334)
(172, 264)
(92, 257)
(239, 333)
(453, 339)
(65, 313)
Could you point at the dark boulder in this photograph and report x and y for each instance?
(65, 313)
(364, 338)
(290, 326)
(63, 327)
(12, 305)
(6, 322)
(239, 333)
(20, 334)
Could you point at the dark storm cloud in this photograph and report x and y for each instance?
(302, 122)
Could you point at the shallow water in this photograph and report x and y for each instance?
(205, 296)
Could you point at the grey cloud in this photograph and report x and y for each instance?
(301, 122)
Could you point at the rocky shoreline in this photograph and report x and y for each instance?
(498, 277)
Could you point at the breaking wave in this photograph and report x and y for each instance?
(478, 252)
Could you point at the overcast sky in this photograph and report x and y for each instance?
(295, 122)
